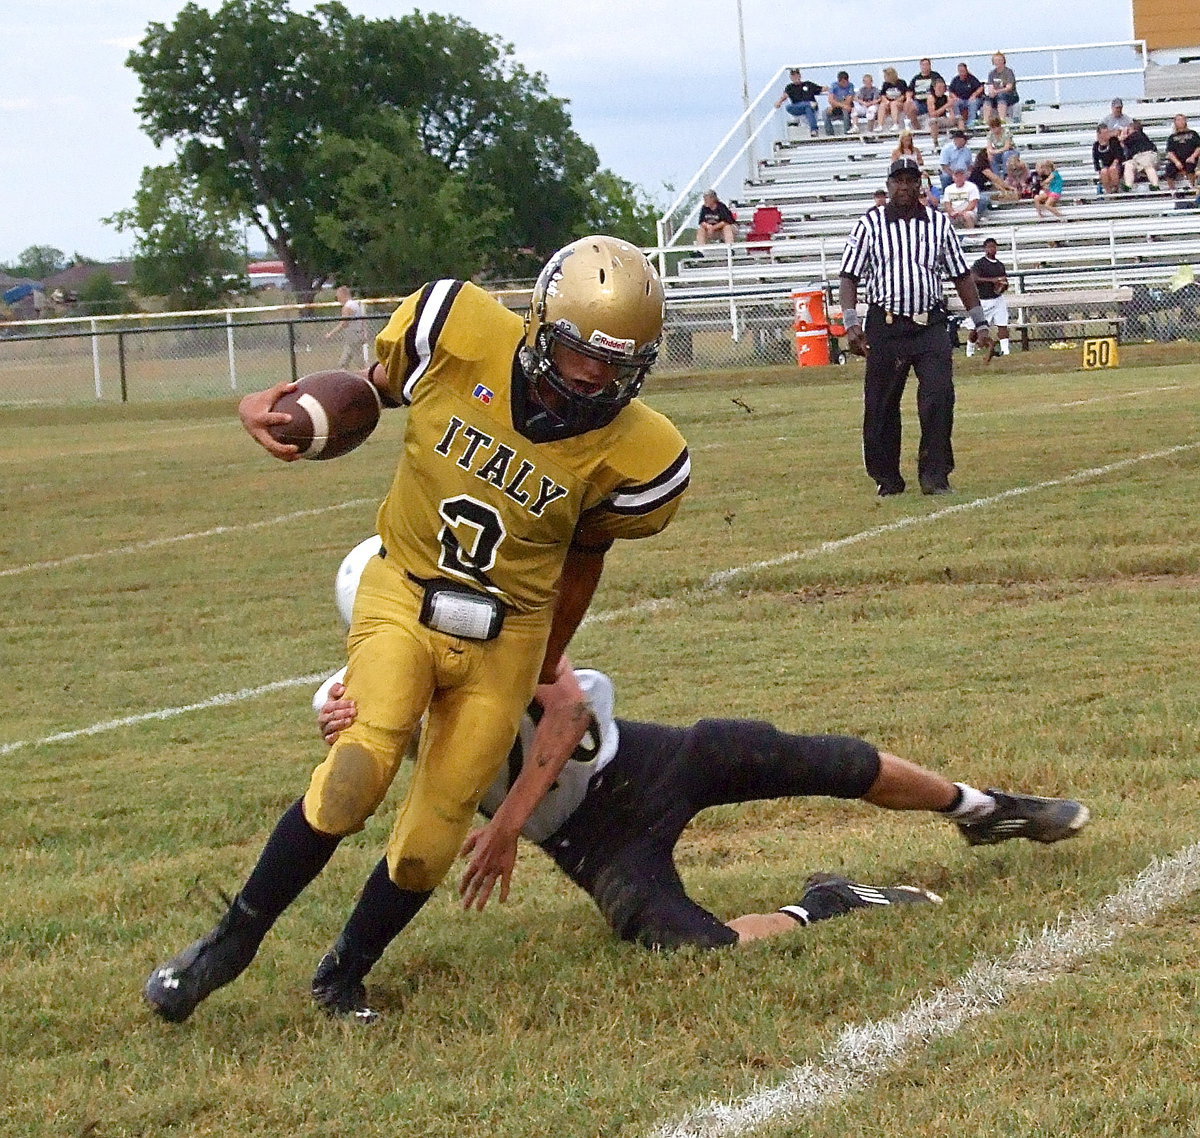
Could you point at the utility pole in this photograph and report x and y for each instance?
(750, 161)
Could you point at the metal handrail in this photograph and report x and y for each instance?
(669, 229)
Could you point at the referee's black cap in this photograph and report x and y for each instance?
(903, 166)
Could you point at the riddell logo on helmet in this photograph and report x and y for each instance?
(599, 339)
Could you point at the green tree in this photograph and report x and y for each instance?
(399, 219)
(100, 295)
(188, 247)
(256, 96)
(246, 92)
(488, 119)
(39, 261)
(621, 209)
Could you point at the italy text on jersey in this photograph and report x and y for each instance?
(468, 446)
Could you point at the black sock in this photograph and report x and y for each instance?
(382, 912)
(294, 854)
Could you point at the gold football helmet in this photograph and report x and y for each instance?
(600, 297)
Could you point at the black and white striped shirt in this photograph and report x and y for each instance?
(903, 262)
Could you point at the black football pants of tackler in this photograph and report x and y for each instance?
(897, 348)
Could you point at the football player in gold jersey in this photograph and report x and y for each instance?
(525, 456)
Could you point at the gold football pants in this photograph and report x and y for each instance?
(475, 694)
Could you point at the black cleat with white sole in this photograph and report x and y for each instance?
(1026, 816)
(340, 992)
(831, 895)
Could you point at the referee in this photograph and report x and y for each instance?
(901, 251)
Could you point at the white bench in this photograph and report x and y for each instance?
(1086, 308)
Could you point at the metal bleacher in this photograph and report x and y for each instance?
(821, 185)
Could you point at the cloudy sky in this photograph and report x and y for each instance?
(652, 84)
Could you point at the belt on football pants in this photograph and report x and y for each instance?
(456, 609)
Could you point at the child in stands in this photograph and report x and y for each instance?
(1046, 199)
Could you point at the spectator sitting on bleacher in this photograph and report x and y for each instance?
(999, 143)
(880, 198)
(1183, 149)
(841, 104)
(1141, 156)
(866, 102)
(1020, 180)
(940, 113)
(716, 221)
(800, 97)
(893, 98)
(919, 90)
(956, 155)
(966, 96)
(1000, 91)
(1033, 184)
(1046, 200)
(991, 186)
(960, 201)
(1118, 120)
(1108, 159)
(906, 147)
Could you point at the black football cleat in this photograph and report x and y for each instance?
(839, 894)
(177, 988)
(1026, 816)
(340, 992)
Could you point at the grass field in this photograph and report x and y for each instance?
(1037, 631)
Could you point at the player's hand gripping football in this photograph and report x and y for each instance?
(257, 417)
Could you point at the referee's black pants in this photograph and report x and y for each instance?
(894, 349)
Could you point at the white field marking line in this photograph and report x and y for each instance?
(129, 442)
(864, 1052)
(712, 584)
(154, 543)
(1020, 409)
(1078, 402)
(719, 579)
(219, 530)
(222, 700)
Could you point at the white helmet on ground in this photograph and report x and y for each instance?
(345, 585)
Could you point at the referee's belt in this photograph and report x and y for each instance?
(938, 314)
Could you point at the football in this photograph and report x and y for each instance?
(332, 413)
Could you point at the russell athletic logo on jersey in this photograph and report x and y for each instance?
(483, 394)
(471, 449)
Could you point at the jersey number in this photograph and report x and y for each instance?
(472, 534)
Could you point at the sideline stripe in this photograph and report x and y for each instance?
(864, 1052)
(713, 583)
(156, 542)
(718, 580)
(167, 712)
(1076, 402)
(219, 530)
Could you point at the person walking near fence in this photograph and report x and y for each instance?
(353, 330)
(902, 252)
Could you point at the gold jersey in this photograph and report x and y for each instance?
(476, 501)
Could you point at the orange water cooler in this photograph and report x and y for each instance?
(812, 327)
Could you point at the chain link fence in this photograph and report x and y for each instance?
(201, 356)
